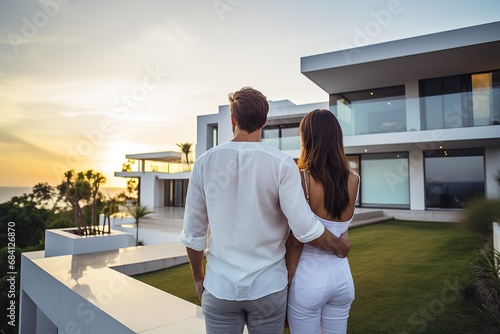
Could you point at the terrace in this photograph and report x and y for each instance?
(93, 292)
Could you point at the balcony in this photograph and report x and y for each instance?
(158, 162)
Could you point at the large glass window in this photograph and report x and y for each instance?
(385, 181)
(453, 177)
(486, 98)
(370, 111)
(176, 192)
(460, 101)
(282, 136)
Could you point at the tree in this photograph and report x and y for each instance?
(30, 220)
(109, 209)
(138, 212)
(74, 190)
(127, 166)
(47, 196)
(95, 180)
(81, 191)
(132, 184)
(186, 149)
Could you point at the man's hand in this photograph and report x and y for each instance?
(196, 261)
(330, 243)
(346, 247)
(199, 287)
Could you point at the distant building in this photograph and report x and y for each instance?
(163, 178)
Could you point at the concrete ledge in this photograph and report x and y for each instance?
(83, 293)
(62, 242)
(366, 217)
(447, 216)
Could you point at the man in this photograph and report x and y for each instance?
(250, 195)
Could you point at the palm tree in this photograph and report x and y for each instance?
(75, 189)
(110, 208)
(95, 180)
(186, 149)
(138, 212)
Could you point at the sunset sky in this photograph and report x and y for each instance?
(82, 83)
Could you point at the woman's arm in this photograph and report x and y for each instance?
(293, 252)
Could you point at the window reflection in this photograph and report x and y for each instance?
(385, 180)
(460, 101)
(379, 110)
(282, 136)
(453, 177)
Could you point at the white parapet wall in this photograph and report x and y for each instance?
(92, 294)
(62, 241)
(496, 238)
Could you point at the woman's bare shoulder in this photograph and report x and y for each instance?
(353, 177)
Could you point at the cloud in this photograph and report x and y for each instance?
(13, 146)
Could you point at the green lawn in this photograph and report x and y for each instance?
(408, 278)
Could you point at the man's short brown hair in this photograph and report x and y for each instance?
(250, 108)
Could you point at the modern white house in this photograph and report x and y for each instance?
(163, 178)
(420, 118)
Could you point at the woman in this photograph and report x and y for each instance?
(322, 289)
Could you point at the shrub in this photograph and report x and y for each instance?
(479, 215)
(485, 268)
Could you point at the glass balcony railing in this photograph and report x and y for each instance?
(284, 143)
(167, 167)
(367, 117)
(469, 109)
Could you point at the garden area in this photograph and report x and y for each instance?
(410, 277)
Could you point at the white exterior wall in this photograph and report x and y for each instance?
(417, 184)
(148, 189)
(223, 121)
(202, 135)
(492, 166)
(159, 193)
(225, 131)
(412, 106)
(416, 158)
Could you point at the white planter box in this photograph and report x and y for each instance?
(117, 220)
(62, 242)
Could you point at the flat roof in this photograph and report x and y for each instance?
(466, 50)
(167, 156)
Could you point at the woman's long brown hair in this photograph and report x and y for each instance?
(322, 153)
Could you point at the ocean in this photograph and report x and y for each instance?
(6, 193)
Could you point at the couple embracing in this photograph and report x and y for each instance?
(278, 242)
